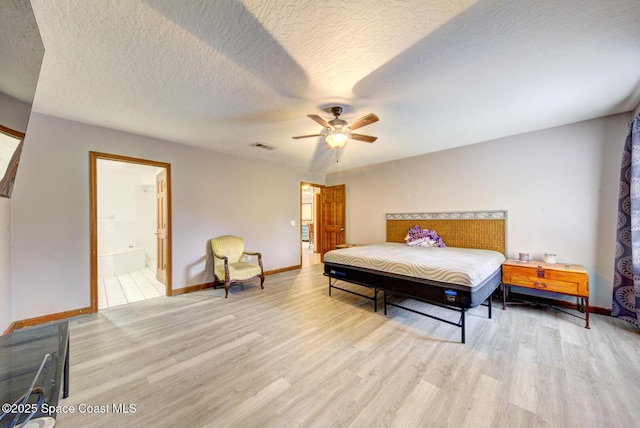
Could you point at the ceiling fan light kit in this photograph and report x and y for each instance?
(337, 131)
(336, 139)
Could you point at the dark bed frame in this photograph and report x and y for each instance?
(482, 230)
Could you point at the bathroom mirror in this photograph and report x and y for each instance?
(21, 52)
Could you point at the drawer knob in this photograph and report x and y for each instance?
(539, 284)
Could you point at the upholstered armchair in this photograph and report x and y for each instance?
(229, 265)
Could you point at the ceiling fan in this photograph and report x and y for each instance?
(337, 131)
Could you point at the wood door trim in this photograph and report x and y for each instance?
(7, 176)
(93, 188)
(317, 243)
(319, 226)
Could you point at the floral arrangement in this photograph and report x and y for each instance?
(418, 237)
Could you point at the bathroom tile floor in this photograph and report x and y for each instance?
(130, 287)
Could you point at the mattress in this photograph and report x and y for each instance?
(460, 266)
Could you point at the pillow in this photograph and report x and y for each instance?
(417, 237)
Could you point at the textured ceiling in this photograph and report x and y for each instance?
(21, 50)
(226, 74)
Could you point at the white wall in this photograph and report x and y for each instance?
(213, 194)
(559, 186)
(15, 115)
(6, 301)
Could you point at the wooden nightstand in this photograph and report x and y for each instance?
(568, 279)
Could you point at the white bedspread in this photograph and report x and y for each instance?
(460, 266)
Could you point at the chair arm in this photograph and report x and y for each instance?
(225, 259)
(253, 253)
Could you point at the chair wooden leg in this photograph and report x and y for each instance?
(262, 281)
(226, 289)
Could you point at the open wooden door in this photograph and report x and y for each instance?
(162, 229)
(317, 203)
(334, 218)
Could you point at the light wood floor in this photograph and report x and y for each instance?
(291, 356)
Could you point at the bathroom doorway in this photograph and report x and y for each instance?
(130, 230)
(310, 213)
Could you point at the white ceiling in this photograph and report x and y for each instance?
(226, 74)
(21, 51)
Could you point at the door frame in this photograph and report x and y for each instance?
(93, 185)
(319, 225)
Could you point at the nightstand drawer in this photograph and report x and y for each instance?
(545, 284)
(554, 279)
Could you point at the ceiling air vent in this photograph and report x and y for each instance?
(263, 146)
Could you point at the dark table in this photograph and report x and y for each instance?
(34, 362)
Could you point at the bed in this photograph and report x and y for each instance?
(460, 277)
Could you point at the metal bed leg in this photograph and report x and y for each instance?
(462, 326)
(490, 304)
(65, 390)
(384, 296)
(333, 281)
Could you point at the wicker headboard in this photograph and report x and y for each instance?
(484, 230)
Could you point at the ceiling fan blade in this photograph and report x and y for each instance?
(307, 136)
(320, 120)
(364, 121)
(362, 137)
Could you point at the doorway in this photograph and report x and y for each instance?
(310, 215)
(130, 230)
